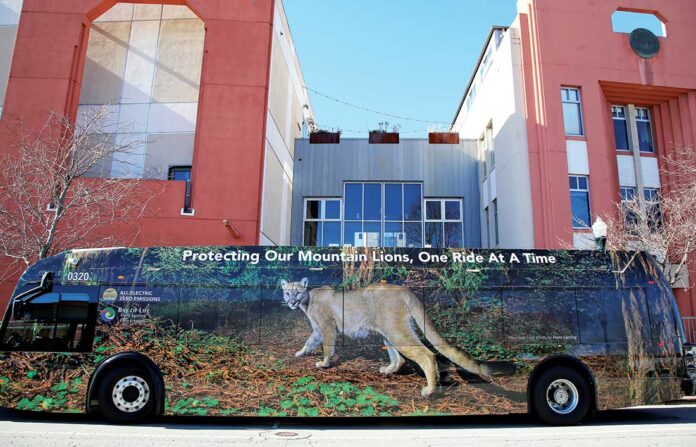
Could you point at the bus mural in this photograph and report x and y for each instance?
(292, 331)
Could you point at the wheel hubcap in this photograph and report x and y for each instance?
(131, 394)
(562, 396)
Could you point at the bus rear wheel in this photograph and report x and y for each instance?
(126, 395)
(561, 396)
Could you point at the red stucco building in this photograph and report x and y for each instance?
(571, 119)
(213, 85)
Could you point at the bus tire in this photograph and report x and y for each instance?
(126, 394)
(561, 396)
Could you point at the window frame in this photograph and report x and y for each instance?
(581, 123)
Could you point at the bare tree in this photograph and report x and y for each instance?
(665, 225)
(49, 198)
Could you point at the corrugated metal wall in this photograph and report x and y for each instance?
(445, 171)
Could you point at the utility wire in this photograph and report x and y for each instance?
(365, 109)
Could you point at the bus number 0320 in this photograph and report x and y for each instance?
(78, 276)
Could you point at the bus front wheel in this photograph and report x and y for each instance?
(126, 395)
(561, 396)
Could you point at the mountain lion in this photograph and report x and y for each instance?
(379, 308)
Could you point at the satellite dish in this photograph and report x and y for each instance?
(644, 42)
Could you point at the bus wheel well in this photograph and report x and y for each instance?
(121, 360)
(568, 362)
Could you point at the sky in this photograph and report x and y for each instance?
(411, 58)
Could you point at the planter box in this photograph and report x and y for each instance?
(325, 138)
(443, 137)
(384, 137)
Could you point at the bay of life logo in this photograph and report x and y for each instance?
(110, 295)
(108, 315)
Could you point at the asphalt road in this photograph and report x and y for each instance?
(672, 425)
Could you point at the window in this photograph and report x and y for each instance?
(645, 135)
(628, 195)
(363, 215)
(580, 201)
(572, 111)
(369, 206)
(653, 208)
(180, 173)
(443, 223)
(603, 314)
(486, 62)
(618, 114)
(532, 316)
(486, 153)
(499, 34)
(51, 322)
(496, 233)
(643, 124)
(653, 211)
(627, 21)
(487, 227)
(322, 227)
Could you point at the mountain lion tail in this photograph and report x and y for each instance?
(483, 369)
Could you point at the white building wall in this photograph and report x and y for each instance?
(286, 116)
(10, 10)
(500, 99)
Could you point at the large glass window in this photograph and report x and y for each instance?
(383, 214)
(386, 215)
(443, 223)
(322, 225)
(572, 111)
(580, 201)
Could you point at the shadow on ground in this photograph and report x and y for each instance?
(674, 414)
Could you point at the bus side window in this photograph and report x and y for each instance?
(613, 316)
(540, 319)
(52, 322)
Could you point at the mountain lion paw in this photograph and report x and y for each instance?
(322, 364)
(428, 391)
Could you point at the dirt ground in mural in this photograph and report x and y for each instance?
(268, 380)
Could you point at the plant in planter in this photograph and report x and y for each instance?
(323, 136)
(384, 136)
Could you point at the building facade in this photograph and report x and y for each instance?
(410, 194)
(576, 119)
(212, 88)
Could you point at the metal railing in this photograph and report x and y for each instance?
(690, 329)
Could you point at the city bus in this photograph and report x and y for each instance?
(134, 333)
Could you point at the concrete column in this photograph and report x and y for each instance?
(634, 146)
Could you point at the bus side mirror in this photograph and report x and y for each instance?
(47, 282)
